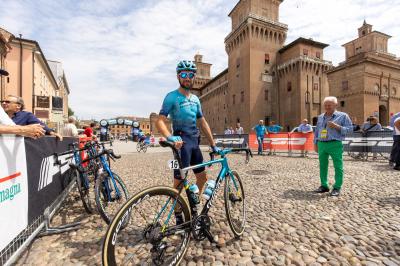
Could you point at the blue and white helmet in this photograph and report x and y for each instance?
(186, 65)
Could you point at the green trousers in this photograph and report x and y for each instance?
(335, 150)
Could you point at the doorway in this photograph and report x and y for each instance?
(383, 115)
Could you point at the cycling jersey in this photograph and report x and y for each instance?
(184, 112)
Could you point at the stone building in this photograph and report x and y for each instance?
(368, 81)
(203, 74)
(301, 81)
(264, 79)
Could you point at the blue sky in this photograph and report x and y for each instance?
(119, 56)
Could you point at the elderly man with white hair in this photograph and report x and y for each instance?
(70, 129)
(332, 127)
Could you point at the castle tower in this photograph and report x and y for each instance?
(252, 47)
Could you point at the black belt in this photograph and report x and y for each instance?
(332, 140)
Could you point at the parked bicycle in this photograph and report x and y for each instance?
(110, 191)
(144, 231)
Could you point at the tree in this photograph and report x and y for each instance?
(70, 112)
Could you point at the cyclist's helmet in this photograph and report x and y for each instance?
(186, 65)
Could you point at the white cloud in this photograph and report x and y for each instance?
(120, 56)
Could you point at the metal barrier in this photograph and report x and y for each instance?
(371, 141)
(10, 254)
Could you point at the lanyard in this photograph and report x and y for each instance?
(326, 120)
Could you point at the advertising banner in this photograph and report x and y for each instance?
(47, 179)
(13, 188)
(285, 141)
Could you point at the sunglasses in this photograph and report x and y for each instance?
(184, 75)
(8, 102)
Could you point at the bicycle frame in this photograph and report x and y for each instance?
(224, 172)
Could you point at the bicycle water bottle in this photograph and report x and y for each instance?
(194, 195)
(209, 189)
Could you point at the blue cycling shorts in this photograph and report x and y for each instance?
(190, 154)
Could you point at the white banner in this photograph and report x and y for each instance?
(13, 189)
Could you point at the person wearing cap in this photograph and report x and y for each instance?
(332, 127)
(14, 107)
(260, 130)
(7, 126)
(70, 129)
(305, 128)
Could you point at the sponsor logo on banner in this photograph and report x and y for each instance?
(49, 168)
(369, 141)
(230, 141)
(285, 141)
(13, 188)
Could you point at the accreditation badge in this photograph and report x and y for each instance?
(324, 134)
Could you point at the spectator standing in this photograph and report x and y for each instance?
(395, 154)
(14, 107)
(239, 130)
(70, 129)
(305, 128)
(332, 126)
(371, 125)
(260, 130)
(273, 129)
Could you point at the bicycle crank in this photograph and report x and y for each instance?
(201, 228)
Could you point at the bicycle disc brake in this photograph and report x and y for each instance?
(201, 228)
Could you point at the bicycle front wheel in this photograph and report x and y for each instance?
(144, 240)
(235, 204)
(108, 200)
(138, 147)
(144, 148)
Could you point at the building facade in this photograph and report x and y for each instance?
(265, 79)
(44, 90)
(368, 81)
(118, 130)
(301, 82)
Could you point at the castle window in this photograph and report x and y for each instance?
(342, 103)
(237, 62)
(345, 85)
(305, 52)
(266, 92)
(233, 99)
(318, 55)
(289, 86)
(266, 59)
(242, 96)
(315, 86)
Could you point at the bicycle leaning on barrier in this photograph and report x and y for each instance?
(110, 190)
(144, 230)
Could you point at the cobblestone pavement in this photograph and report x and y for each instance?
(287, 224)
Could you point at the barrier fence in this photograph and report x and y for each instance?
(372, 141)
(30, 184)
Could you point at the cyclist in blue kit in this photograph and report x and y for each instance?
(185, 112)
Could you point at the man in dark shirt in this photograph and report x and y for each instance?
(14, 106)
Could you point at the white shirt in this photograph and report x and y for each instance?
(4, 118)
(396, 131)
(239, 130)
(70, 130)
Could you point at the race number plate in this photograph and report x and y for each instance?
(173, 164)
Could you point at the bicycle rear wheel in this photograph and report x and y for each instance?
(107, 204)
(235, 204)
(144, 149)
(142, 241)
(83, 184)
(138, 147)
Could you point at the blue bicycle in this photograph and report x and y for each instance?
(110, 191)
(145, 231)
